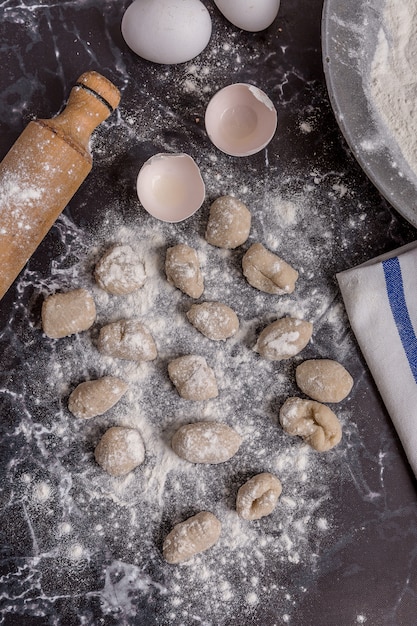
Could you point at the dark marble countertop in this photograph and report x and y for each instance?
(80, 548)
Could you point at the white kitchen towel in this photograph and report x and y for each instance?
(380, 297)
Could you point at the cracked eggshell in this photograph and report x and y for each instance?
(240, 119)
(166, 31)
(249, 15)
(170, 187)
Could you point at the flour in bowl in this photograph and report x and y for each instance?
(393, 80)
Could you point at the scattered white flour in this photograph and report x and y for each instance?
(252, 598)
(305, 127)
(133, 511)
(322, 524)
(111, 530)
(393, 84)
(65, 528)
(76, 552)
(42, 492)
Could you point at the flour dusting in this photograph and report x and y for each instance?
(132, 514)
(105, 533)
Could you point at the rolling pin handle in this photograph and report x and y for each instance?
(92, 99)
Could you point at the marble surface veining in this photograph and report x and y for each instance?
(78, 547)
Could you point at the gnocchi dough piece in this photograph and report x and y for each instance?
(311, 420)
(196, 534)
(127, 339)
(284, 338)
(229, 223)
(119, 271)
(206, 442)
(267, 272)
(193, 378)
(258, 496)
(65, 314)
(324, 380)
(120, 450)
(182, 269)
(95, 397)
(215, 320)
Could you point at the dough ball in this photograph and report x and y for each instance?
(311, 420)
(182, 269)
(267, 272)
(214, 320)
(119, 271)
(324, 380)
(284, 338)
(68, 313)
(193, 378)
(95, 397)
(229, 223)
(120, 450)
(206, 442)
(258, 496)
(127, 339)
(186, 539)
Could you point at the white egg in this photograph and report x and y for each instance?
(251, 15)
(240, 119)
(167, 31)
(170, 187)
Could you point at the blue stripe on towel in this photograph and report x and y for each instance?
(396, 297)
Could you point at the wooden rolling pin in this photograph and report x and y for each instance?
(44, 169)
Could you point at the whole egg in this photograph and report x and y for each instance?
(166, 31)
(251, 15)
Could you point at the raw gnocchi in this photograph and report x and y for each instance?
(229, 223)
(314, 422)
(258, 497)
(65, 314)
(182, 269)
(95, 397)
(215, 320)
(284, 338)
(193, 378)
(127, 339)
(206, 442)
(120, 450)
(324, 380)
(267, 272)
(196, 534)
(119, 271)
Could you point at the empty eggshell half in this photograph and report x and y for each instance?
(240, 119)
(170, 187)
